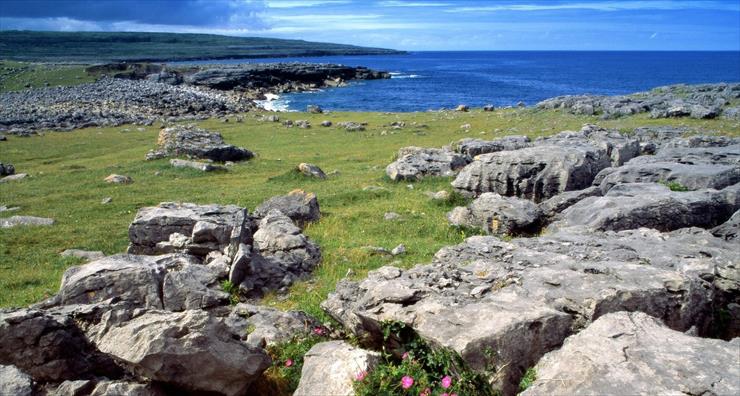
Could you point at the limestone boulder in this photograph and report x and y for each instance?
(729, 230)
(191, 350)
(415, 163)
(498, 215)
(552, 207)
(330, 368)
(194, 142)
(635, 205)
(185, 227)
(633, 353)
(536, 173)
(473, 147)
(311, 170)
(298, 205)
(17, 221)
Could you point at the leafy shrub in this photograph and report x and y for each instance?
(411, 366)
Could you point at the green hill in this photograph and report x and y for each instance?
(139, 46)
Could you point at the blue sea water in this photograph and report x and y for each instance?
(433, 80)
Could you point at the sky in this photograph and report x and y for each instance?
(415, 25)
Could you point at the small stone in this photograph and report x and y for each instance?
(326, 123)
(462, 108)
(392, 216)
(311, 170)
(119, 179)
(18, 176)
(399, 250)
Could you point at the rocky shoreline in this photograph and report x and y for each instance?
(142, 94)
(607, 260)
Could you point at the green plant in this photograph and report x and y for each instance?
(283, 376)
(529, 377)
(233, 291)
(409, 365)
(675, 186)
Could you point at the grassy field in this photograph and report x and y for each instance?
(67, 170)
(138, 46)
(16, 76)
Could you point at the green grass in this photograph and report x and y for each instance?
(67, 171)
(36, 75)
(138, 46)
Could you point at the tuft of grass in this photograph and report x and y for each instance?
(528, 379)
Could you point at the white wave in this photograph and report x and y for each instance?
(405, 76)
(273, 103)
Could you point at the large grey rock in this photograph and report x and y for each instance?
(619, 148)
(552, 207)
(191, 350)
(49, 347)
(15, 221)
(200, 229)
(15, 382)
(633, 353)
(301, 207)
(498, 215)
(172, 282)
(635, 205)
(311, 170)
(693, 177)
(702, 141)
(729, 230)
(415, 163)
(6, 169)
(280, 255)
(191, 141)
(474, 147)
(535, 173)
(330, 368)
(541, 290)
(261, 325)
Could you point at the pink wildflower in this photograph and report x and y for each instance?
(446, 381)
(318, 330)
(361, 375)
(444, 394)
(426, 392)
(288, 362)
(407, 382)
(405, 356)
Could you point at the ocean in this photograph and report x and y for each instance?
(433, 80)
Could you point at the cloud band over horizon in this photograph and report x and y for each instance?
(408, 25)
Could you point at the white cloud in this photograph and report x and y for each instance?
(606, 6)
(397, 3)
(654, 35)
(63, 24)
(303, 3)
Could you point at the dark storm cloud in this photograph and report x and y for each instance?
(159, 12)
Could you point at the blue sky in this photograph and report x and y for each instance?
(409, 25)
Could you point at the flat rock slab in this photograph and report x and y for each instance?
(474, 147)
(118, 179)
(16, 221)
(415, 163)
(201, 166)
(15, 177)
(633, 354)
(635, 205)
(330, 368)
